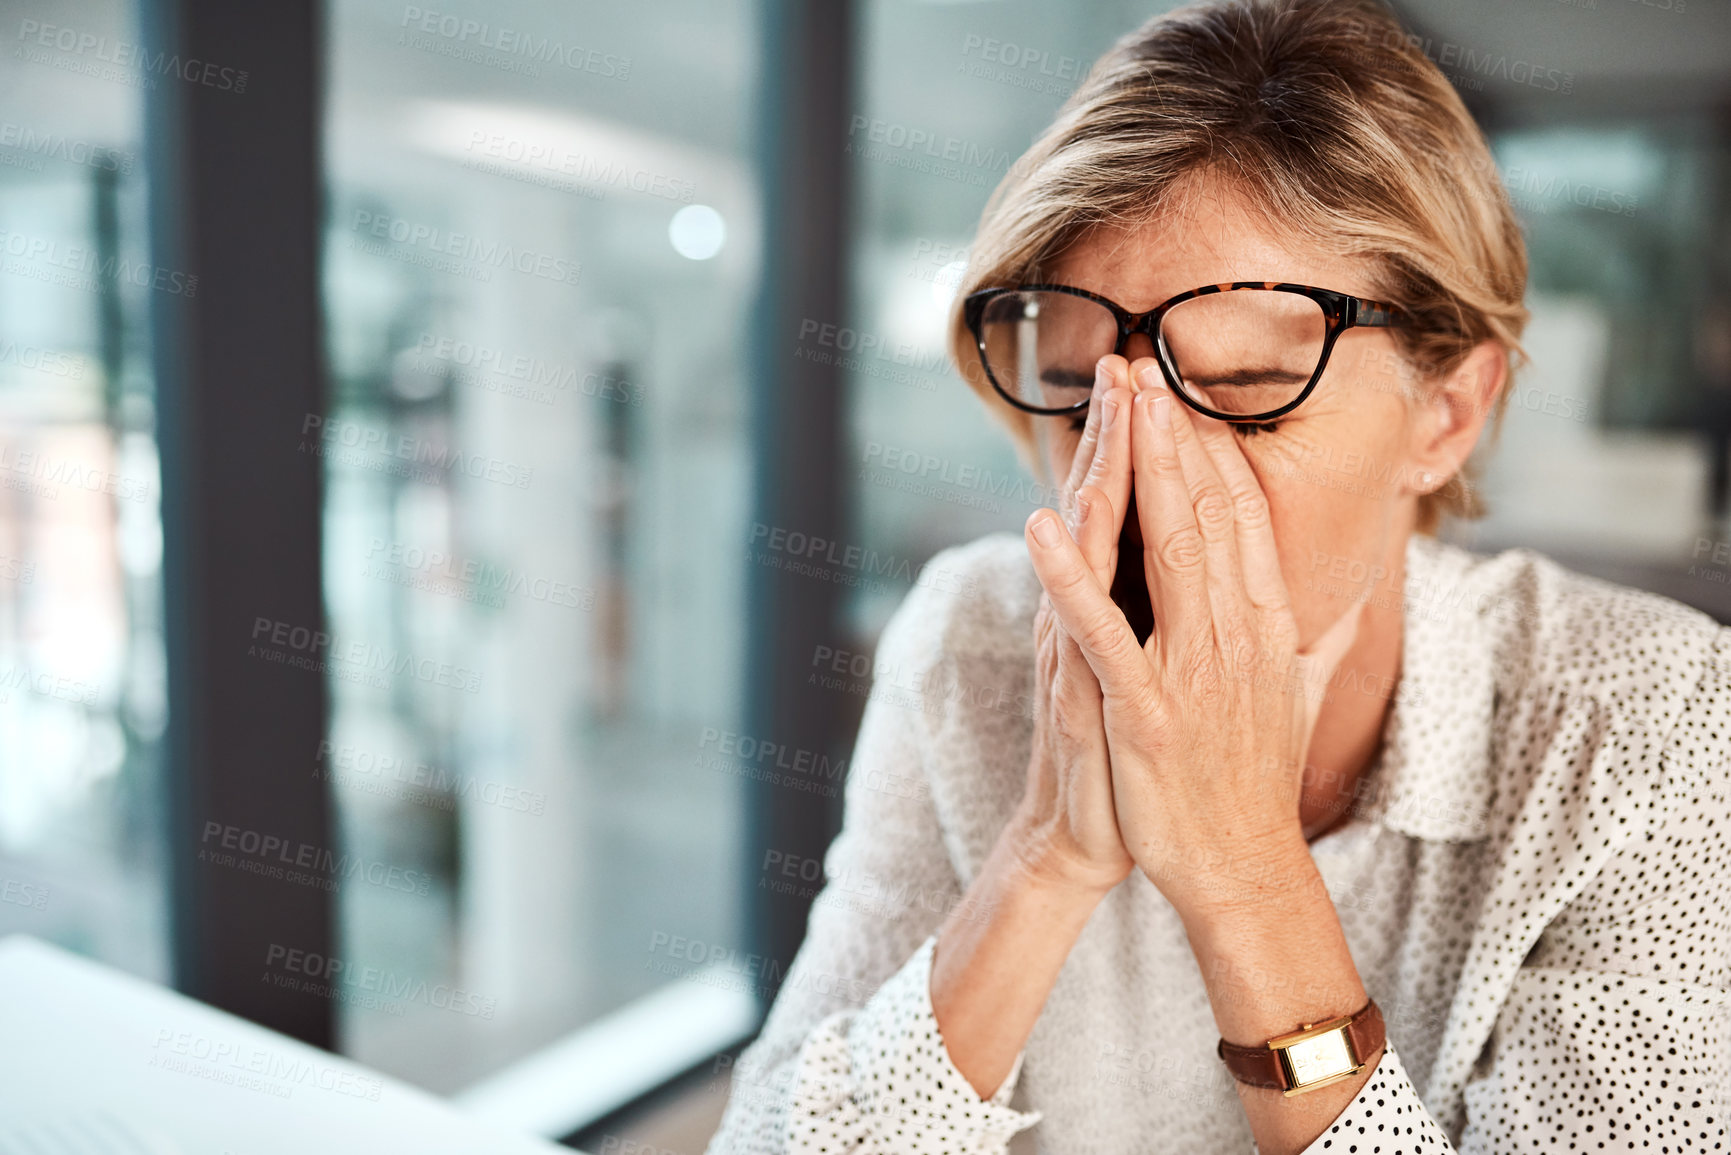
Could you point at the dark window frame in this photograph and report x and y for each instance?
(236, 199)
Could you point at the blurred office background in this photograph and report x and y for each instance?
(578, 273)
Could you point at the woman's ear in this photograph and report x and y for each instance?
(1451, 414)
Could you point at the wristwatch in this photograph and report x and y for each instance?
(1313, 1056)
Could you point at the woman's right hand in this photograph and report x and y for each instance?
(1066, 826)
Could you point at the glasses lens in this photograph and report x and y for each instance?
(1244, 352)
(1041, 346)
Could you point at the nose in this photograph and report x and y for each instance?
(1139, 345)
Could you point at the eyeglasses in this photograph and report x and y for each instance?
(1245, 351)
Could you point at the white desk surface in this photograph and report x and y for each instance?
(96, 1062)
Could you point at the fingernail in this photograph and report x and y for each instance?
(1162, 412)
(1108, 411)
(1046, 531)
(1149, 377)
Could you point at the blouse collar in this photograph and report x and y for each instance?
(1433, 779)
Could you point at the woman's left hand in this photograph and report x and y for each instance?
(1207, 724)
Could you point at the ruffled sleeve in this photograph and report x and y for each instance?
(1387, 1116)
(881, 1079)
(849, 1057)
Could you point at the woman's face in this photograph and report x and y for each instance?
(1342, 471)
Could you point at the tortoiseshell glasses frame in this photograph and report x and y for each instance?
(1341, 311)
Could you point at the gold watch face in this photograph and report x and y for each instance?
(1319, 1057)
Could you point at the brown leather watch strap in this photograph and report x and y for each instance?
(1260, 1066)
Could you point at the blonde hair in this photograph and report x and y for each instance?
(1334, 124)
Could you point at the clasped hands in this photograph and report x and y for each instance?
(1182, 756)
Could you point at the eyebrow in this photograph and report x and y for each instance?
(1066, 378)
(1251, 377)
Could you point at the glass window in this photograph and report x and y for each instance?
(1600, 453)
(539, 261)
(82, 681)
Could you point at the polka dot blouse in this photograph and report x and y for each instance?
(1535, 882)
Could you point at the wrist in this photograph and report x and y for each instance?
(1272, 880)
(1042, 860)
(1272, 967)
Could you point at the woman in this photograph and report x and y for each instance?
(1292, 766)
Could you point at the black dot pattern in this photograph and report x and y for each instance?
(882, 1079)
(1535, 885)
